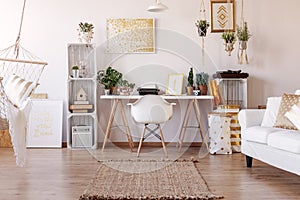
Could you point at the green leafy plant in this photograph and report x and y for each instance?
(125, 83)
(75, 67)
(111, 78)
(86, 27)
(202, 78)
(191, 78)
(203, 24)
(243, 33)
(228, 37)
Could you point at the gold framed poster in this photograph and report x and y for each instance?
(130, 35)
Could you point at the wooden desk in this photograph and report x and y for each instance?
(193, 103)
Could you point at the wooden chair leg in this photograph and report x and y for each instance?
(141, 141)
(163, 141)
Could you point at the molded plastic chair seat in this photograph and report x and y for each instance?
(151, 109)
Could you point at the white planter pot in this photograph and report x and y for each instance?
(85, 37)
(75, 73)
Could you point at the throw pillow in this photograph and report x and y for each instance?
(273, 104)
(294, 115)
(18, 90)
(287, 101)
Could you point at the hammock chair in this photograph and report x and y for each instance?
(20, 72)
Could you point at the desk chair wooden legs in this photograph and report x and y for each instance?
(152, 131)
(117, 103)
(193, 104)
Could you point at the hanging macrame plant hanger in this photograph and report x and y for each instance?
(202, 26)
(16, 60)
(242, 51)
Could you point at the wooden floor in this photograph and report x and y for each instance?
(63, 174)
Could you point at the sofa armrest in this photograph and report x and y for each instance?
(251, 117)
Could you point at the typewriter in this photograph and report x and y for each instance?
(149, 89)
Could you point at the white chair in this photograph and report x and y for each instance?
(151, 109)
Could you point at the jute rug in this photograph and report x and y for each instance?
(147, 180)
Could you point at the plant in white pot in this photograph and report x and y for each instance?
(229, 39)
(75, 71)
(85, 32)
(243, 35)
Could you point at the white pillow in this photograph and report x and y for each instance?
(294, 115)
(18, 90)
(297, 92)
(270, 116)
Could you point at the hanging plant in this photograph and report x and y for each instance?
(202, 26)
(243, 35)
(229, 39)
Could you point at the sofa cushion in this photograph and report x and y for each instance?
(294, 115)
(273, 104)
(288, 140)
(258, 133)
(287, 101)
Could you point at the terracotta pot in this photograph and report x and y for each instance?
(203, 89)
(189, 90)
(113, 90)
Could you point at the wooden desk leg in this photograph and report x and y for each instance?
(110, 122)
(182, 125)
(125, 123)
(200, 122)
(185, 124)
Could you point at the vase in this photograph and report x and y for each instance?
(203, 89)
(113, 90)
(242, 45)
(85, 37)
(189, 90)
(229, 48)
(106, 91)
(75, 73)
(202, 31)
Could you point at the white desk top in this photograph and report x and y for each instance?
(181, 97)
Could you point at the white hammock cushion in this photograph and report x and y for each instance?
(18, 90)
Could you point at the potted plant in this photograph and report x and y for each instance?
(243, 35)
(110, 79)
(75, 71)
(124, 87)
(190, 85)
(85, 32)
(202, 82)
(229, 39)
(202, 26)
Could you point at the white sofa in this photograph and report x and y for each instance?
(275, 146)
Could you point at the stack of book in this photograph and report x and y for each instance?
(81, 107)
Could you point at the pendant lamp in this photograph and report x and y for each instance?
(157, 7)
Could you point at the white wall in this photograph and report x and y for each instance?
(50, 24)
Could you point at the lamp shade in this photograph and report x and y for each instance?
(157, 7)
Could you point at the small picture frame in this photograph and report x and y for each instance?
(222, 15)
(174, 85)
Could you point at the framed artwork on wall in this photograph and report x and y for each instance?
(174, 85)
(130, 35)
(222, 15)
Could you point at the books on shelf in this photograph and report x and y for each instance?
(81, 106)
(80, 111)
